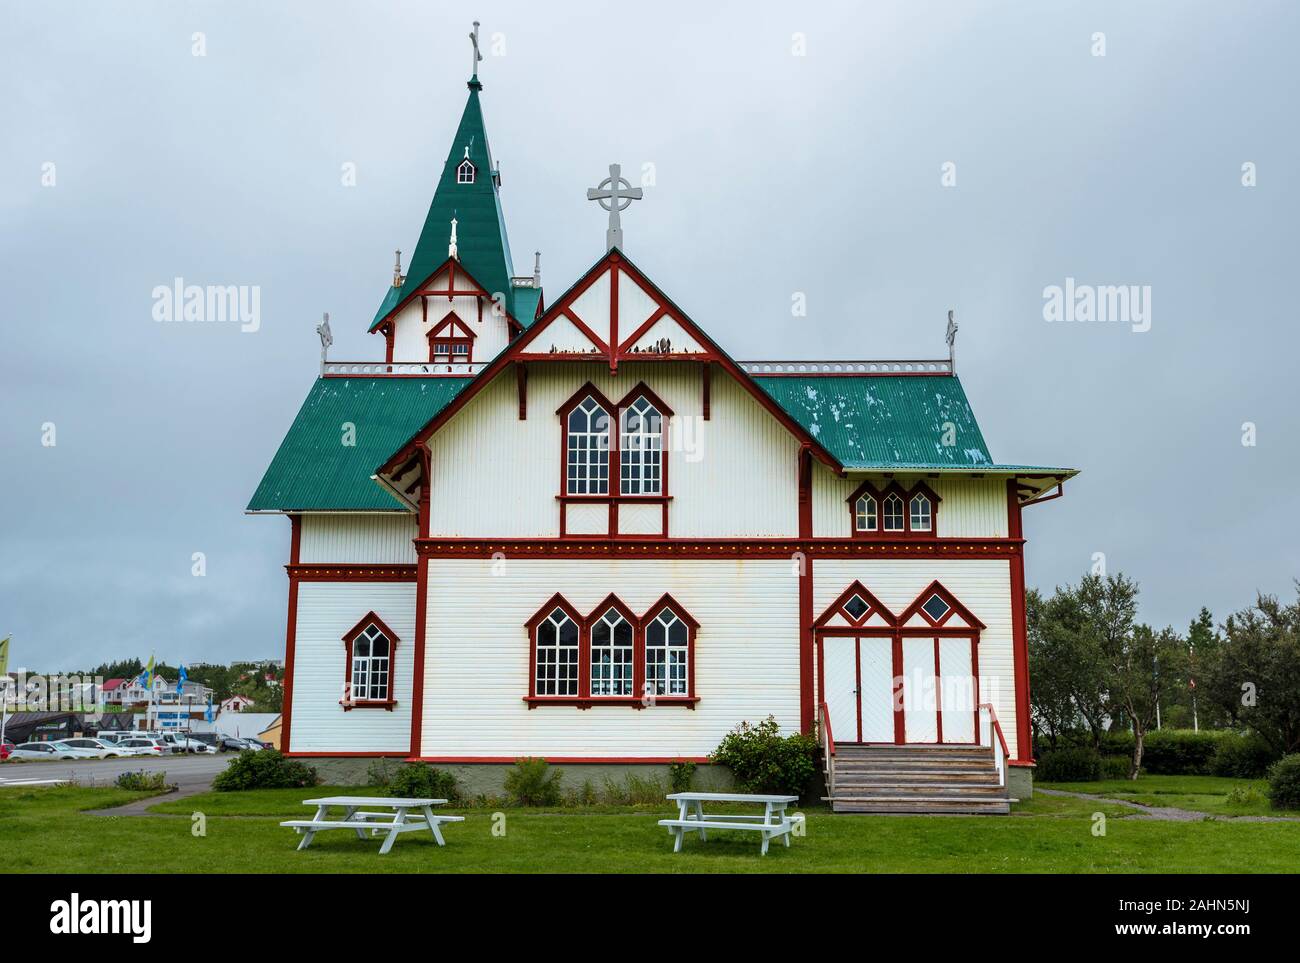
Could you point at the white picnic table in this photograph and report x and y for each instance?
(389, 815)
(691, 817)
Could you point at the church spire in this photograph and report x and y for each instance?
(468, 191)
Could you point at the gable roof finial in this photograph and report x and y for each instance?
(451, 248)
(326, 339)
(397, 270)
(615, 193)
(951, 337)
(537, 269)
(478, 58)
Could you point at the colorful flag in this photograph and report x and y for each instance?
(209, 716)
(146, 677)
(4, 654)
(180, 680)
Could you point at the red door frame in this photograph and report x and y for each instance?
(896, 637)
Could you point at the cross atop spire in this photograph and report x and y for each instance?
(451, 247)
(478, 57)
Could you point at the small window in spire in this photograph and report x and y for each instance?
(465, 172)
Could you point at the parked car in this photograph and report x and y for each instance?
(233, 744)
(174, 741)
(150, 744)
(210, 739)
(133, 746)
(50, 750)
(197, 745)
(101, 749)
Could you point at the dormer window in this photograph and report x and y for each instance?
(922, 516)
(893, 511)
(465, 172)
(451, 341)
(865, 514)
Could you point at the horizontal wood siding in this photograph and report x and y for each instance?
(358, 539)
(477, 668)
(326, 611)
(733, 476)
(982, 585)
(971, 507)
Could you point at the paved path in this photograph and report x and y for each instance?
(1167, 813)
(190, 774)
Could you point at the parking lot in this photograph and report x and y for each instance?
(188, 772)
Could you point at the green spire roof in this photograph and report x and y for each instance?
(482, 246)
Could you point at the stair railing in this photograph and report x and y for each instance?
(828, 746)
(990, 734)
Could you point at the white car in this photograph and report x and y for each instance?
(101, 749)
(50, 750)
(195, 745)
(145, 746)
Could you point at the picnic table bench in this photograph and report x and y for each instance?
(394, 818)
(691, 817)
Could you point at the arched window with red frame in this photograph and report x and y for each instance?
(371, 648)
(893, 512)
(611, 656)
(668, 635)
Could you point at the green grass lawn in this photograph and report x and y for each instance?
(46, 830)
(1205, 794)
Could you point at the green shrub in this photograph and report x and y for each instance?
(264, 769)
(680, 775)
(1070, 765)
(417, 780)
(1114, 767)
(1242, 756)
(1115, 742)
(532, 783)
(1284, 782)
(380, 773)
(634, 790)
(1244, 797)
(1179, 752)
(585, 795)
(763, 761)
(144, 781)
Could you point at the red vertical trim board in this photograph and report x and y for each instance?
(421, 604)
(613, 316)
(290, 634)
(806, 708)
(1019, 632)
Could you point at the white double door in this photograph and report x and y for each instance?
(914, 689)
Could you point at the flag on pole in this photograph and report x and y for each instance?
(146, 677)
(209, 715)
(180, 680)
(4, 654)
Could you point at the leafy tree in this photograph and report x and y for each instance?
(1253, 674)
(1053, 663)
(1143, 665)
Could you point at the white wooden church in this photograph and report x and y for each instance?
(576, 528)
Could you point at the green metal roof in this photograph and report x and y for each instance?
(391, 297)
(525, 309)
(314, 471)
(481, 243)
(885, 422)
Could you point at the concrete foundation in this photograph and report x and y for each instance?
(1020, 782)
(488, 779)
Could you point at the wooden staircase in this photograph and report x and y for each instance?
(914, 779)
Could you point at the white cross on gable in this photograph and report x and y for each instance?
(615, 193)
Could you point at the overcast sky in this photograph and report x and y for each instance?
(775, 173)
